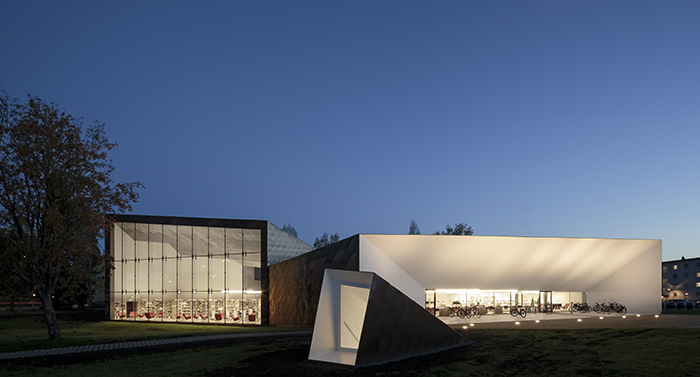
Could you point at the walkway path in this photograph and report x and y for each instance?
(137, 344)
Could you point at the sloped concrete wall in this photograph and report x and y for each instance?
(295, 284)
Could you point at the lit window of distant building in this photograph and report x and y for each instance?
(665, 281)
(675, 266)
(698, 274)
(697, 284)
(665, 270)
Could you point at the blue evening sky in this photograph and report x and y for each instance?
(527, 118)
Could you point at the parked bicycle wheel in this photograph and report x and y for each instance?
(523, 312)
(461, 313)
(476, 312)
(514, 312)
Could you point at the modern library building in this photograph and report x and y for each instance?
(195, 270)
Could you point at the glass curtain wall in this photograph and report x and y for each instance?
(188, 274)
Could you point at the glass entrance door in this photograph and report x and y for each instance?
(545, 302)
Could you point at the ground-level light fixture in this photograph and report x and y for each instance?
(638, 315)
(471, 324)
(601, 317)
(579, 319)
(624, 316)
(537, 321)
(464, 327)
(656, 316)
(517, 323)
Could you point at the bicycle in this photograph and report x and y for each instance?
(519, 311)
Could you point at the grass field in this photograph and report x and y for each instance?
(582, 352)
(497, 352)
(28, 332)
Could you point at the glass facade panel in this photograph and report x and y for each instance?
(184, 248)
(155, 264)
(177, 273)
(115, 282)
(129, 275)
(141, 270)
(155, 239)
(128, 241)
(251, 276)
(233, 268)
(200, 270)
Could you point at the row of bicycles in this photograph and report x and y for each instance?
(522, 310)
(612, 307)
(464, 311)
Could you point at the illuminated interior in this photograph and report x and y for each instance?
(188, 274)
(497, 301)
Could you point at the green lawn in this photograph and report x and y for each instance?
(590, 352)
(583, 352)
(27, 332)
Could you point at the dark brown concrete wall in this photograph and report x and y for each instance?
(295, 284)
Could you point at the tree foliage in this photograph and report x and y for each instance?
(325, 240)
(289, 229)
(460, 229)
(55, 190)
(413, 228)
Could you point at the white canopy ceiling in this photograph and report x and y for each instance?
(490, 262)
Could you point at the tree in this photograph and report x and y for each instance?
(55, 190)
(413, 228)
(290, 230)
(460, 229)
(324, 240)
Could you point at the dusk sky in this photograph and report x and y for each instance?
(521, 118)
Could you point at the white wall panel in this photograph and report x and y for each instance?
(372, 259)
(637, 285)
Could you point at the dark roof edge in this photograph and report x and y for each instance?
(680, 260)
(191, 221)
